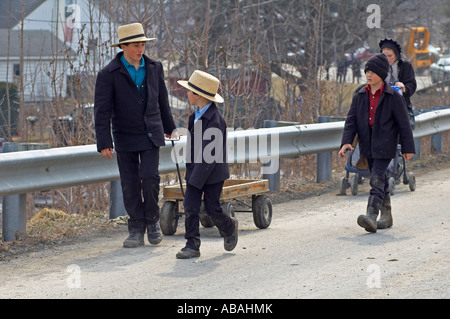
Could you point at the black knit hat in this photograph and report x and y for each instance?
(378, 64)
(391, 44)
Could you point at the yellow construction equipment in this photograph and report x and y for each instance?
(414, 41)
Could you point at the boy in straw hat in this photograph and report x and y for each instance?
(206, 165)
(131, 98)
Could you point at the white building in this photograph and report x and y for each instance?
(60, 39)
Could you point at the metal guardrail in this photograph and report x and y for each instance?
(43, 170)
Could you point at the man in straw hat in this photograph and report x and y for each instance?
(131, 96)
(206, 164)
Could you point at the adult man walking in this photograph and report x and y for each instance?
(131, 97)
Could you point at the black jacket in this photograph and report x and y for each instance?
(118, 102)
(407, 76)
(206, 158)
(391, 123)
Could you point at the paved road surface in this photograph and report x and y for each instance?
(313, 249)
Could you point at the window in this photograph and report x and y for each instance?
(16, 69)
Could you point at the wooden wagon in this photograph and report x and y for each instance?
(261, 205)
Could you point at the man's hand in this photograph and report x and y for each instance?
(408, 156)
(344, 149)
(107, 153)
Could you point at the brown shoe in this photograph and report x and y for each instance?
(230, 241)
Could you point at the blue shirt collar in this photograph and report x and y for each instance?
(199, 113)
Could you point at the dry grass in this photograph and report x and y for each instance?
(51, 226)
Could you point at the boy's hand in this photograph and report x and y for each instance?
(408, 156)
(173, 136)
(107, 153)
(344, 148)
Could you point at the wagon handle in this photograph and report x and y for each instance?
(176, 162)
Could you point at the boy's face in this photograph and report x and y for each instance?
(193, 98)
(372, 78)
(134, 51)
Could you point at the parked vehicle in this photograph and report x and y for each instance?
(440, 71)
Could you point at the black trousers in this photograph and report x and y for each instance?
(378, 176)
(139, 176)
(192, 201)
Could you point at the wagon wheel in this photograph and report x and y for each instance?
(205, 220)
(229, 210)
(169, 218)
(344, 186)
(262, 211)
(412, 182)
(391, 182)
(354, 184)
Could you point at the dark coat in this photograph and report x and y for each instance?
(391, 122)
(407, 76)
(210, 165)
(119, 102)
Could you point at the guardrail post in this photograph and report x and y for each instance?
(323, 165)
(436, 143)
(418, 147)
(14, 207)
(117, 207)
(274, 179)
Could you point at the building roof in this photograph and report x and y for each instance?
(16, 11)
(37, 43)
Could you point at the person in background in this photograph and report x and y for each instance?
(401, 73)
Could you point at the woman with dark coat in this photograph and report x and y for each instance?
(131, 98)
(401, 73)
(379, 116)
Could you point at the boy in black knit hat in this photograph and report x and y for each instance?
(379, 116)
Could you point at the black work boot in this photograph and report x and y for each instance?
(134, 240)
(385, 220)
(230, 241)
(154, 233)
(369, 221)
(187, 253)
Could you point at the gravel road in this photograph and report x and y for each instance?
(312, 249)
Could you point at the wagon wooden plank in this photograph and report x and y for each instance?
(232, 188)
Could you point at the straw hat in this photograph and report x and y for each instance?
(129, 33)
(203, 84)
